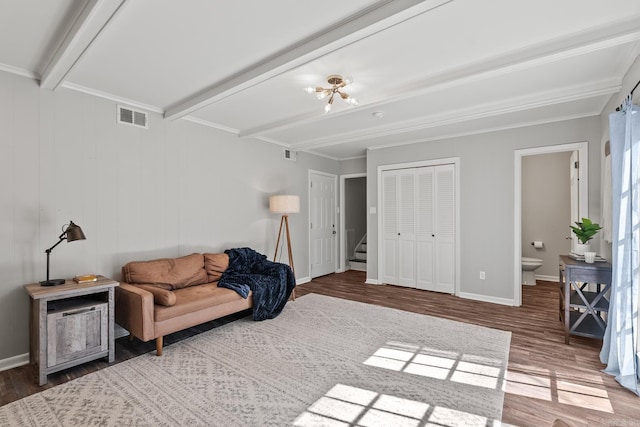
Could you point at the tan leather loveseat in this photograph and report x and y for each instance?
(162, 296)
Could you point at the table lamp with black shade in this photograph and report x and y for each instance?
(71, 233)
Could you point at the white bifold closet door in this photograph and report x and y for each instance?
(418, 224)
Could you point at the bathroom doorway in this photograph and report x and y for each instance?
(546, 212)
(546, 228)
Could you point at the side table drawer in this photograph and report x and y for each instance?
(76, 330)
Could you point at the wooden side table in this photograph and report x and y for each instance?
(70, 324)
(583, 311)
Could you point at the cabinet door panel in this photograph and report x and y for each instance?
(76, 333)
(407, 228)
(445, 228)
(390, 227)
(425, 228)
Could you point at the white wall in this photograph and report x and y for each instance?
(487, 195)
(173, 189)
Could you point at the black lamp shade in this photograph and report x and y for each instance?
(74, 232)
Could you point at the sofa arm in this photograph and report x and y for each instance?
(134, 311)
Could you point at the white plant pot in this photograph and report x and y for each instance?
(582, 248)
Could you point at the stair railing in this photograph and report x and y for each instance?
(355, 251)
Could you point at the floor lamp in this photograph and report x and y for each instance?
(285, 204)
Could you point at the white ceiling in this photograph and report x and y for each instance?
(435, 68)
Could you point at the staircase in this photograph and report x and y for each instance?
(359, 260)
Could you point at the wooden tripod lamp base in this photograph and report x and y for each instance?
(285, 205)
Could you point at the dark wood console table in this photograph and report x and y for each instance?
(583, 311)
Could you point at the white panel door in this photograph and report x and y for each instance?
(445, 229)
(425, 235)
(406, 228)
(390, 227)
(323, 224)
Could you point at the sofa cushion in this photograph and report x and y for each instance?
(194, 298)
(174, 273)
(160, 295)
(215, 265)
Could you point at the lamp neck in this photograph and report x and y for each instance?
(62, 237)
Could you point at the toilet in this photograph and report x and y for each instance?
(529, 265)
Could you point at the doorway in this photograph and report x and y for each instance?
(353, 221)
(578, 193)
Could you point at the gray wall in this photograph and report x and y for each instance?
(355, 209)
(173, 189)
(546, 208)
(350, 166)
(487, 195)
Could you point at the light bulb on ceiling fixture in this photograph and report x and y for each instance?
(337, 83)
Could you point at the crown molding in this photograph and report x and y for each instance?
(19, 71)
(210, 124)
(231, 130)
(485, 130)
(111, 97)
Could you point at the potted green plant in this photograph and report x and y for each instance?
(584, 231)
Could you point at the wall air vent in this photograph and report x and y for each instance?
(132, 117)
(290, 155)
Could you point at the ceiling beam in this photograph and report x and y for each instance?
(369, 21)
(594, 39)
(89, 23)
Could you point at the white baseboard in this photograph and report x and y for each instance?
(14, 361)
(303, 280)
(372, 281)
(485, 298)
(547, 278)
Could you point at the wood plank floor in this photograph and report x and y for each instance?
(547, 379)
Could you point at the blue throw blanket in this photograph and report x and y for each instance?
(270, 282)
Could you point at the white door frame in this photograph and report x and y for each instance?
(342, 265)
(583, 188)
(335, 203)
(435, 162)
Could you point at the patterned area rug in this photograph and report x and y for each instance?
(323, 362)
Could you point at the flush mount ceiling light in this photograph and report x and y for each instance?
(337, 82)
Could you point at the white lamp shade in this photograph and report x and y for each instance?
(285, 204)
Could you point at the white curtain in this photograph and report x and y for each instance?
(620, 345)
